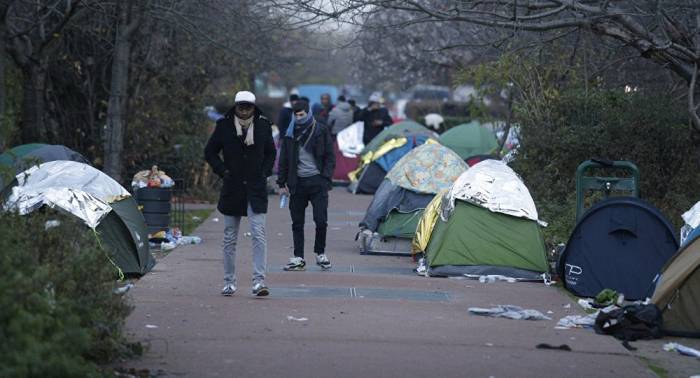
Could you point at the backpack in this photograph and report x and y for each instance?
(631, 322)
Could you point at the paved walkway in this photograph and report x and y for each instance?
(369, 317)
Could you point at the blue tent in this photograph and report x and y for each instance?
(621, 244)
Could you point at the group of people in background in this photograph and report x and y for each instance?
(340, 115)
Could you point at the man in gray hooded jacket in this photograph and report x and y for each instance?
(340, 117)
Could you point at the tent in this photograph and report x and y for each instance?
(87, 193)
(485, 224)
(395, 131)
(374, 165)
(620, 243)
(470, 139)
(677, 291)
(407, 189)
(22, 157)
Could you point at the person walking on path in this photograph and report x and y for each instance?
(340, 117)
(244, 136)
(322, 111)
(306, 169)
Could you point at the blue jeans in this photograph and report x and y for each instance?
(257, 229)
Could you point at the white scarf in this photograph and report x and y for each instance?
(248, 125)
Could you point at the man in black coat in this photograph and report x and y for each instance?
(286, 114)
(375, 118)
(306, 165)
(244, 136)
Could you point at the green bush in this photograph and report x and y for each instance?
(648, 129)
(59, 315)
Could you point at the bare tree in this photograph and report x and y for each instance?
(32, 30)
(663, 32)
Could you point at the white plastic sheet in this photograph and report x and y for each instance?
(493, 185)
(692, 216)
(350, 140)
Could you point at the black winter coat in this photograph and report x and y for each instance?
(323, 154)
(244, 169)
(371, 130)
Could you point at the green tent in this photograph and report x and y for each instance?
(396, 130)
(98, 200)
(490, 243)
(22, 157)
(469, 140)
(400, 225)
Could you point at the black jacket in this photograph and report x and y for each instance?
(244, 169)
(368, 117)
(322, 151)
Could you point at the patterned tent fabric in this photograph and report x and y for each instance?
(429, 168)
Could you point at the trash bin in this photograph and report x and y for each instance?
(155, 206)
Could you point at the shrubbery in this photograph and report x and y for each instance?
(648, 129)
(59, 316)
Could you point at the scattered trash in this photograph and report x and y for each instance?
(51, 224)
(422, 268)
(550, 312)
(489, 344)
(190, 240)
(167, 246)
(585, 304)
(122, 290)
(576, 321)
(682, 349)
(568, 305)
(491, 278)
(214, 219)
(563, 347)
(608, 297)
(151, 326)
(510, 312)
(292, 318)
(247, 234)
(196, 218)
(153, 178)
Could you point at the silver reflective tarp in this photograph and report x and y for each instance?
(74, 187)
(493, 185)
(77, 202)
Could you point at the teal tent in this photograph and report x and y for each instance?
(469, 140)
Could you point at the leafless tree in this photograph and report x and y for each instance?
(665, 33)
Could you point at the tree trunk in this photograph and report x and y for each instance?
(33, 104)
(114, 133)
(4, 124)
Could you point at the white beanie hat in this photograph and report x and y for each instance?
(245, 96)
(375, 97)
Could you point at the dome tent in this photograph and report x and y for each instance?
(374, 165)
(486, 224)
(407, 189)
(677, 291)
(98, 200)
(22, 157)
(470, 139)
(620, 243)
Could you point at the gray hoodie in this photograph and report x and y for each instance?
(340, 117)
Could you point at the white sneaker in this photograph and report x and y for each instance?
(228, 290)
(260, 290)
(295, 263)
(322, 261)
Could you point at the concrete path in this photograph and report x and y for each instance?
(368, 317)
